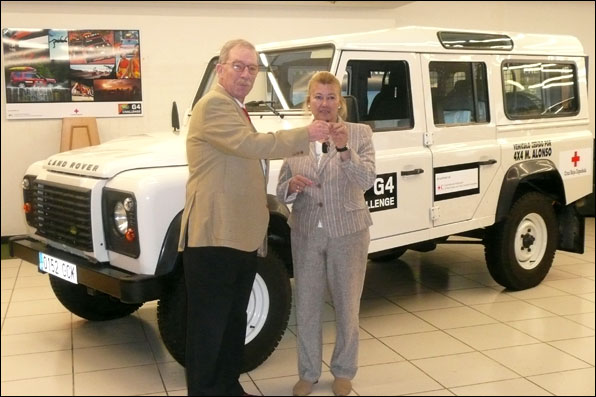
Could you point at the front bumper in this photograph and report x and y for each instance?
(125, 286)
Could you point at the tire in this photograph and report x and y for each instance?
(519, 250)
(268, 312)
(387, 255)
(99, 307)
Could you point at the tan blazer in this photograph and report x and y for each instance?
(226, 202)
(336, 198)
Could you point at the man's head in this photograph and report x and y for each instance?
(237, 68)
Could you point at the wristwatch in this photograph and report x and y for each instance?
(341, 149)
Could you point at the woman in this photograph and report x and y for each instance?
(330, 236)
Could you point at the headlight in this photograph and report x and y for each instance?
(120, 218)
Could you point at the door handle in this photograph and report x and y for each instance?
(415, 171)
(488, 162)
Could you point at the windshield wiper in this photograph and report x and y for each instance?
(267, 104)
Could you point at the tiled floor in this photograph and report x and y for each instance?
(432, 324)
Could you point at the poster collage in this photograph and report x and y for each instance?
(51, 66)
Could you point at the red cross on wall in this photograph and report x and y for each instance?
(575, 159)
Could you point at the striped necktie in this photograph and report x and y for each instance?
(247, 115)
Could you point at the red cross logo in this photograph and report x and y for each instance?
(575, 159)
(77, 112)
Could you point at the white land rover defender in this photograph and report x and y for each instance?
(481, 134)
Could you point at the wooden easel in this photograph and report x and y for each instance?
(78, 132)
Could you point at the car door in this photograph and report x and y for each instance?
(462, 135)
(388, 91)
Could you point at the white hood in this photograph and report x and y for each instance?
(115, 156)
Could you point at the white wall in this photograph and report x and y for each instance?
(178, 39)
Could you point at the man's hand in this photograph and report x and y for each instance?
(318, 130)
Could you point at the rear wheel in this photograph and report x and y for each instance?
(519, 250)
(267, 313)
(387, 255)
(98, 307)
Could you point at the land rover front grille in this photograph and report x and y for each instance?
(63, 214)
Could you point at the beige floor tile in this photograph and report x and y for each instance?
(29, 270)
(580, 269)
(288, 340)
(585, 319)
(370, 352)
(100, 333)
(7, 282)
(250, 388)
(491, 336)
(558, 273)
(10, 264)
(10, 272)
(142, 379)
(570, 383)
(160, 352)
(465, 268)
(61, 385)
(510, 387)
(148, 312)
(427, 301)
(455, 317)
(33, 293)
(485, 279)
(39, 280)
(38, 323)
(394, 324)
(540, 291)
(378, 307)
(30, 308)
(563, 305)
(173, 375)
(283, 362)
(564, 259)
(4, 309)
(426, 344)
(574, 286)
(477, 296)
(282, 386)
(512, 310)
(441, 392)
(535, 359)
(112, 356)
(27, 366)
(181, 392)
(464, 369)
(589, 296)
(36, 342)
(452, 282)
(6, 294)
(552, 328)
(392, 379)
(582, 348)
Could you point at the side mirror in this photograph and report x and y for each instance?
(175, 118)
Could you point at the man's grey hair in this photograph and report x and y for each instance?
(224, 54)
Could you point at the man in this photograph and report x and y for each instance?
(225, 219)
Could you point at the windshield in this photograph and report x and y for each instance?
(282, 81)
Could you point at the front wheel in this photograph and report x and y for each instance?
(98, 307)
(519, 250)
(267, 313)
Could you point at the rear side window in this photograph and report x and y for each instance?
(459, 92)
(382, 92)
(539, 89)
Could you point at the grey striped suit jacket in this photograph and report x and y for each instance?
(336, 198)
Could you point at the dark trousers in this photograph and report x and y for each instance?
(218, 282)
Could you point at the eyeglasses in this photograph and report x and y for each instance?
(239, 67)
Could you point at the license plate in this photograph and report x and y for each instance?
(57, 267)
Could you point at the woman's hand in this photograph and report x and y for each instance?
(298, 183)
(339, 134)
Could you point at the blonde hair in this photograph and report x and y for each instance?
(327, 79)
